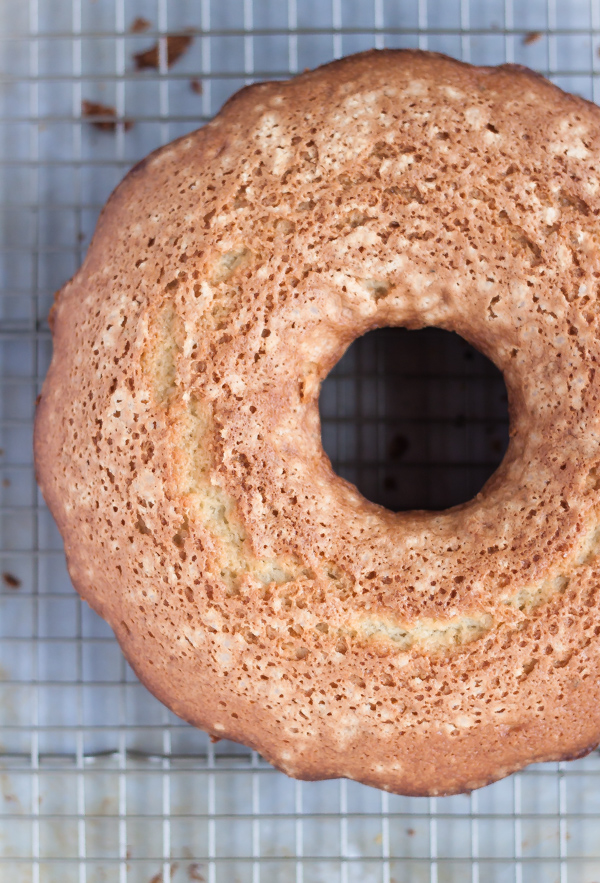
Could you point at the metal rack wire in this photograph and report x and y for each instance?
(98, 782)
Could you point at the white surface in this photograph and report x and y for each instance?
(98, 781)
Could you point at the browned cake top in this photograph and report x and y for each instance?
(178, 443)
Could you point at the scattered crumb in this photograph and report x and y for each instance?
(531, 37)
(378, 839)
(6, 482)
(411, 832)
(102, 116)
(196, 86)
(158, 878)
(177, 45)
(194, 872)
(11, 581)
(1, 451)
(139, 25)
(80, 236)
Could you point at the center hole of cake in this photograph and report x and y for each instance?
(415, 419)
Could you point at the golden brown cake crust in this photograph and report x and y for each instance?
(178, 445)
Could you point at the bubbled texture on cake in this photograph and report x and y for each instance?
(178, 441)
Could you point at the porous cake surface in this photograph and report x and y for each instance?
(256, 593)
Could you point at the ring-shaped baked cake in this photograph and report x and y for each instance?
(255, 592)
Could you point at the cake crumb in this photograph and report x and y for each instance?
(158, 878)
(196, 86)
(177, 45)
(102, 116)
(11, 581)
(139, 25)
(531, 37)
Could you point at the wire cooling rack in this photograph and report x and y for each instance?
(98, 782)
